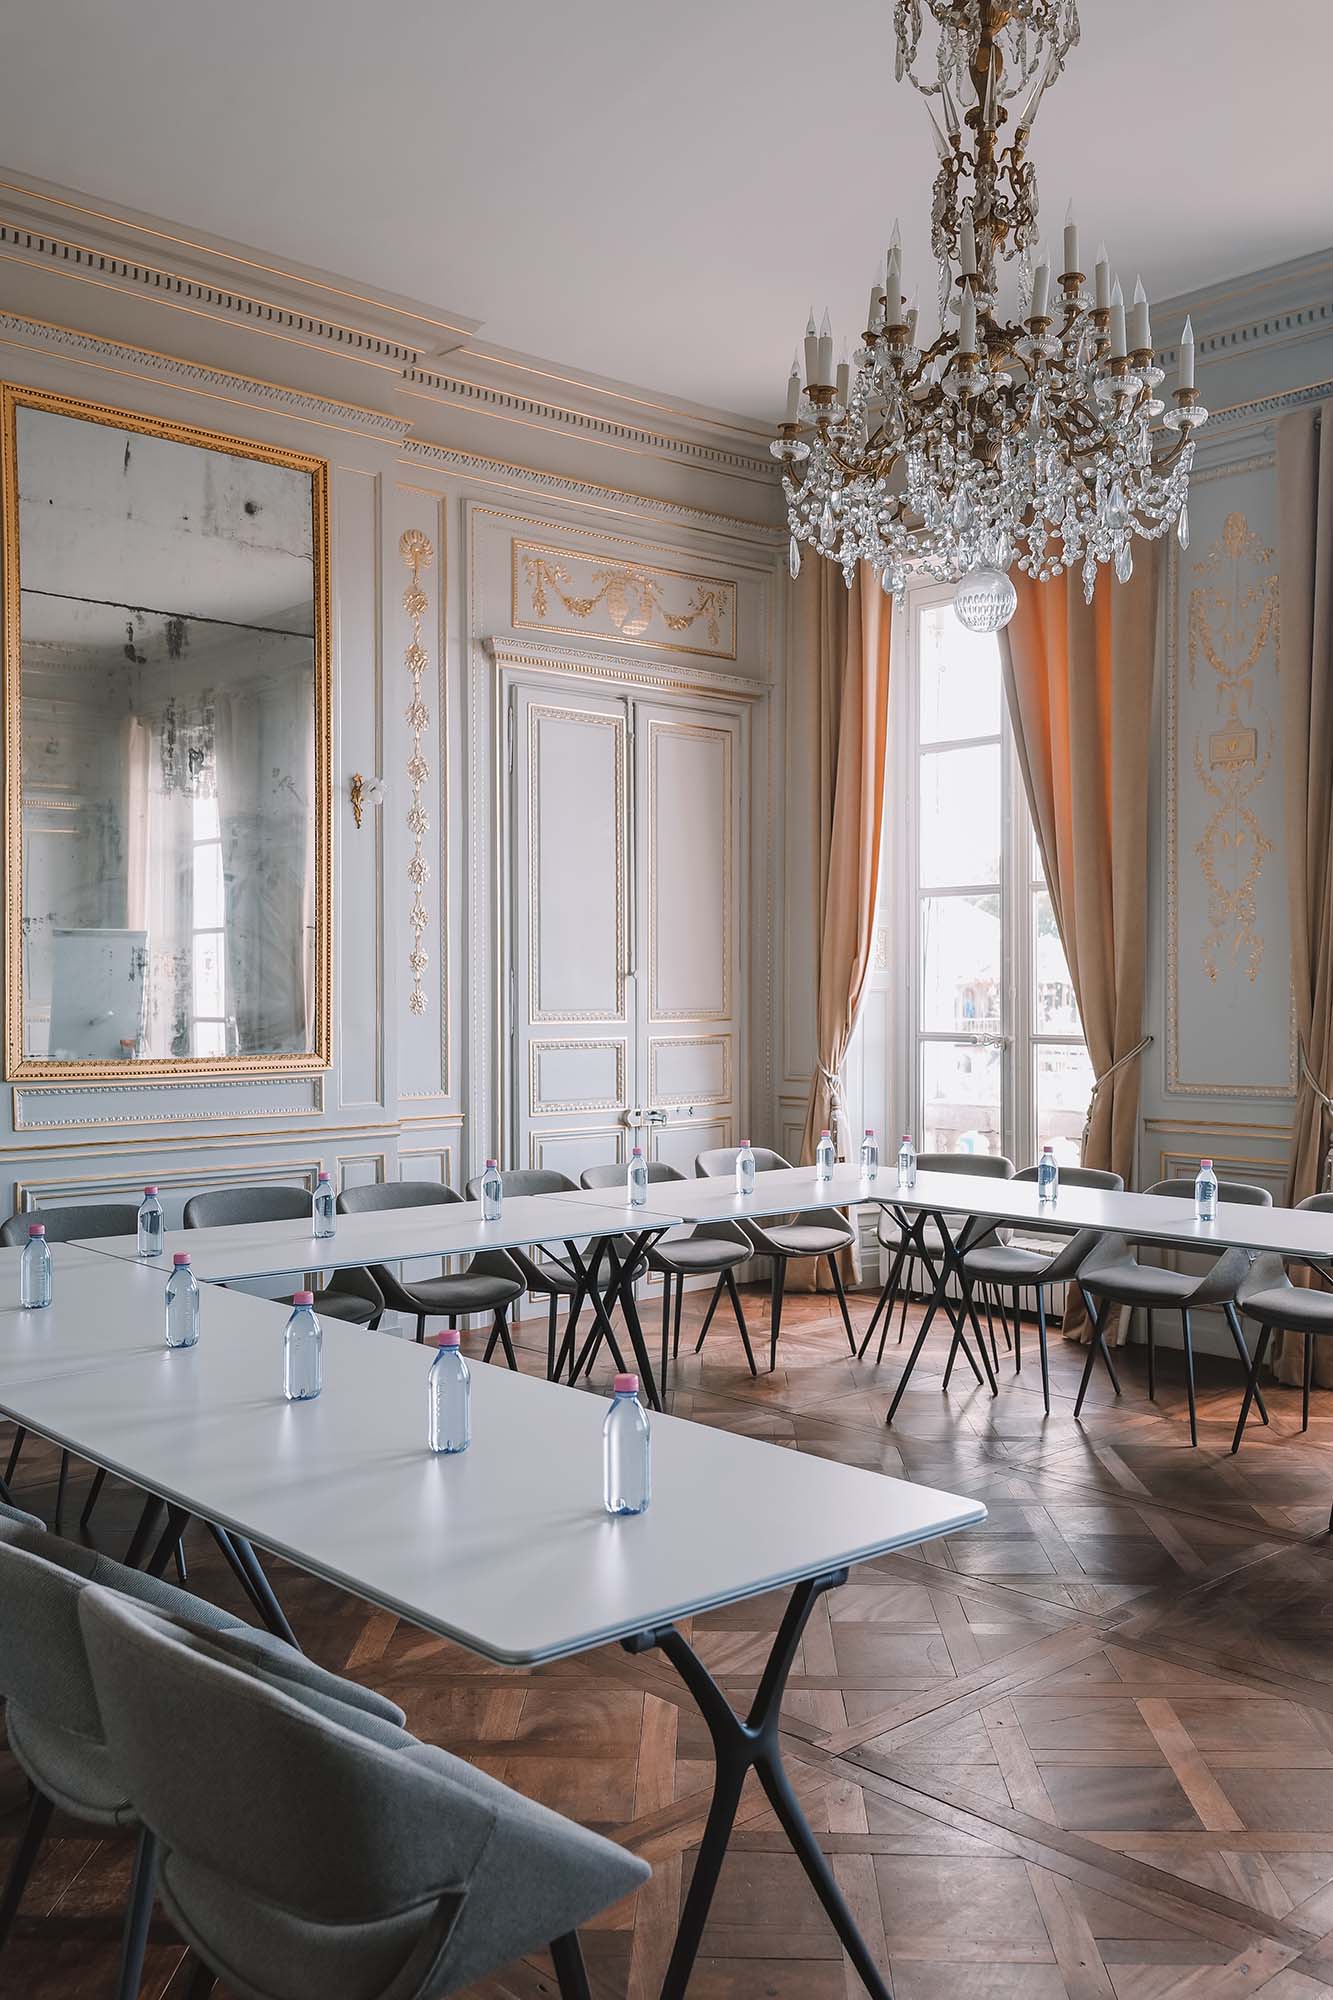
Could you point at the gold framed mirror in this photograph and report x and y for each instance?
(167, 718)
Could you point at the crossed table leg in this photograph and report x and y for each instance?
(739, 1746)
(584, 1267)
(958, 1312)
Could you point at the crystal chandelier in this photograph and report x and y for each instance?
(1033, 440)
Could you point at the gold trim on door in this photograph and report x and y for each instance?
(31, 1068)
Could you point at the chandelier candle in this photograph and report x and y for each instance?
(1025, 434)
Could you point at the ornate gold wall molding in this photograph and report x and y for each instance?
(1232, 620)
(415, 549)
(630, 597)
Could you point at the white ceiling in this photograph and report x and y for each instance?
(655, 193)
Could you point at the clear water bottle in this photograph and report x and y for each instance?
(492, 1193)
(745, 1169)
(870, 1155)
(627, 1450)
(1048, 1178)
(152, 1224)
(302, 1351)
(638, 1179)
(824, 1157)
(906, 1162)
(1205, 1193)
(35, 1269)
(449, 1398)
(182, 1303)
(324, 1206)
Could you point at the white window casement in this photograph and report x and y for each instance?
(969, 1035)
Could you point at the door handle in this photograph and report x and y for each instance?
(638, 1116)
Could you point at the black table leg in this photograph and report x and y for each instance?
(1251, 1387)
(618, 1289)
(740, 1746)
(951, 1262)
(1096, 1345)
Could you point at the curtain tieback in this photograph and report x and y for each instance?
(1105, 1077)
(832, 1081)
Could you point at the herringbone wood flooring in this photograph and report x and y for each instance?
(1085, 1751)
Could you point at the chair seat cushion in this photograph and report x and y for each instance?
(698, 1253)
(809, 1239)
(346, 1306)
(75, 1772)
(1128, 1283)
(1296, 1306)
(469, 1291)
(1005, 1264)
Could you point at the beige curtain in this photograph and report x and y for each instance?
(1305, 573)
(1079, 681)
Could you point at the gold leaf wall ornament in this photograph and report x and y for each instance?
(415, 549)
(1233, 620)
(630, 597)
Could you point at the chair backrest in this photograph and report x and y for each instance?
(527, 1180)
(67, 1225)
(1320, 1204)
(991, 1166)
(1084, 1177)
(1246, 1193)
(279, 1801)
(722, 1160)
(613, 1174)
(221, 1206)
(394, 1194)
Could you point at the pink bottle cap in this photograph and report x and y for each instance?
(870, 1131)
(490, 1163)
(626, 1385)
(181, 1257)
(36, 1229)
(303, 1298)
(453, 1338)
(322, 1176)
(1205, 1163)
(151, 1189)
(744, 1144)
(826, 1134)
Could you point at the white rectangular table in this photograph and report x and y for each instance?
(506, 1548)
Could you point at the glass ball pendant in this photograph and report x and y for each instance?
(985, 600)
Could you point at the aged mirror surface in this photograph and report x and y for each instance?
(166, 748)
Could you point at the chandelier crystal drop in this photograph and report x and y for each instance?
(1037, 439)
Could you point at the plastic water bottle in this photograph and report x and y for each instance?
(906, 1162)
(302, 1351)
(627, 1450)
(492, 1193)
(745, 1169)
(638, 1179)
(1205, 1193)
(449, 1398)
(824, 1157)
(152, 1224)
(870, 1155)
(325, 1208)
(182, 1303)
(35, 1269)
(1048, 1178)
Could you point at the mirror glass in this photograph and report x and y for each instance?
(169, 723)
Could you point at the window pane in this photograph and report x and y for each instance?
(208, 906)
(1055, 1011)
(960, 817)
(960, 678)
(960, 1099)
(961, 964)
(207, 825)
(1064, 1085)
(208, 978)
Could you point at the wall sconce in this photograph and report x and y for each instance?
(364, 792)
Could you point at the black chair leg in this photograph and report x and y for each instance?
(1307, 1379)
(500, 1332)
(728, 1279)
(552, 1319)
(421, 1328)
(94, 1495)
(60, 1490)
(138, 1914)
(1152, 1360)
(1018, 1328)
(680, 1302)
(775, 1310)
(14, 1452)
(571, 1974)
(902, 1313)
(20, 1868)
(1041, 1342)
(708, 1316)
(666, 1334)
(1189, 1375)
(842, 1300)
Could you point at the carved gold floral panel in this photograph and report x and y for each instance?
(591, 596)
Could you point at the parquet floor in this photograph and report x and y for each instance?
(1084, 1751)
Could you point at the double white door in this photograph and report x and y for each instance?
(626, 915)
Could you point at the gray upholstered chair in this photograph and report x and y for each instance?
(922, 1240)
(548, 1276)
(353, 1295)
(52, 1717)
(710, 1249)
(1267, 1296)
(299, 1859)
(491, 1282)
(1113, 1275)
(66, 1225)
(1012, 1267)
(821, 1232)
